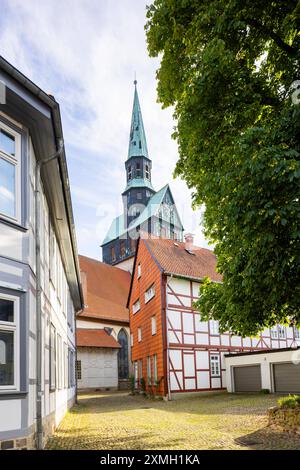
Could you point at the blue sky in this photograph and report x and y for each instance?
(85, 53)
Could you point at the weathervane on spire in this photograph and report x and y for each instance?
(135, 80)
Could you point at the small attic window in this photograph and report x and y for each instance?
(140, 144)
(190, 252)
(134, 142)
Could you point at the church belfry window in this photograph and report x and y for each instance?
(129, 172)
(147, 172)
(138, 169)
(113, 253)
(122, 248)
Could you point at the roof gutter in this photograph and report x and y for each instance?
(193, 278)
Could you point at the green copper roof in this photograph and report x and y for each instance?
(137, 138)
(139, 183)
(117, 227)
(115, 230)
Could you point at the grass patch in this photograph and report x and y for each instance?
(292, 401)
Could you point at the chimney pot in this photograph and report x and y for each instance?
(189, 241)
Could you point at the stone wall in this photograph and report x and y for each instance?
(287, 419)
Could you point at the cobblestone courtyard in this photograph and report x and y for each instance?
(218, 421)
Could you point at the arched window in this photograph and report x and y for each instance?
(123, 355)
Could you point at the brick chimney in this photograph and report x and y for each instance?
(189, 241)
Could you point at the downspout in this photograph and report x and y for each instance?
(75, 337)
(39, 343)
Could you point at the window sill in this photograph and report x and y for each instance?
(13, 224)
(10, 395)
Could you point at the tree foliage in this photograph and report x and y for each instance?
(228, 68)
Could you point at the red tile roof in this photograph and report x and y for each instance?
(174, 258)
(105, 290)
(95, 338)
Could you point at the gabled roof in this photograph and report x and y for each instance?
(137, 139)
(116, 229)
(117, 226)
(105, 291)
(95, 338)
(173, 258)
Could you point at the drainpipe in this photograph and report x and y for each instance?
(39, 343)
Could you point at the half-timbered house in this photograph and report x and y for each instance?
(171, 348)
(40, 287)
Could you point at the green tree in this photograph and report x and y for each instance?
(228, 68)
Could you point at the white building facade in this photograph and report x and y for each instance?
(40, 287)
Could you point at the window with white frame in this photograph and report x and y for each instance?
(149, 371)
(10, 173)
(59, 362)
(135, 373)
(131, 339)
(139, 271)
(215, 365)
(281, 332)
(150, 293)
(155, 368)
(139, 334)
(52, 356)
(78, 370)
(136, 306)
(214, 327)
(71, 368)
(9, 343)
(296, 332)
(65, 365)
(52, 256)
(153, 325)
(274, 332)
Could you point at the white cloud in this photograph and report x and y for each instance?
(85, 52)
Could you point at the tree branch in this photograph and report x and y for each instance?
(290, 50)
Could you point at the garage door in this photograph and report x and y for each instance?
(247, 379)
(286, 377)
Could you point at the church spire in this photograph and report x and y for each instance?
(137, 138)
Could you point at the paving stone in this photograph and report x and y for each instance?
(115, 420)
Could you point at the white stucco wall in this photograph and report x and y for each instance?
(264, 360)
(126, 265)
(85, 323)
(99, 367)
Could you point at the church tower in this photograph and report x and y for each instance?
(138, 167)
(145, 211)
